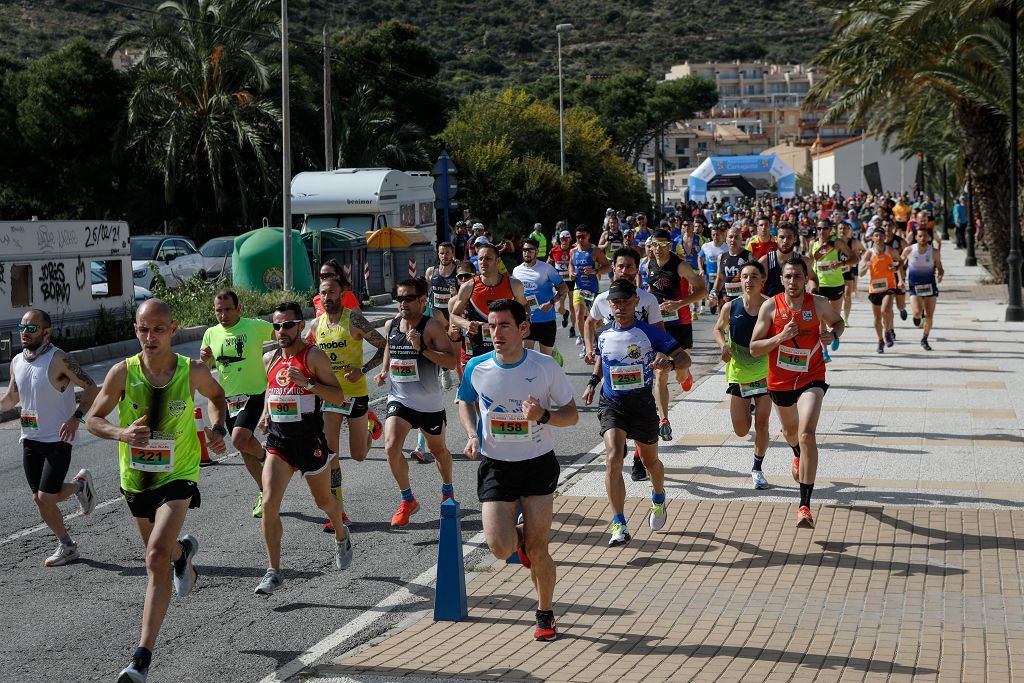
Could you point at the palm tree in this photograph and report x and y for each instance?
(370, 135)
(929, 76)
(199, 112)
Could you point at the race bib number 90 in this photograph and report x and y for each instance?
(284, 409)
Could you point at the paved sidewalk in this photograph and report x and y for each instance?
(913, 572)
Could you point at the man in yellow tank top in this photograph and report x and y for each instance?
(159, 456)
(340, 333)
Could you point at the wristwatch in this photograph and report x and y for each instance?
(545, 417)
(78, 414)
(219, 429)
(310, 383)
(364, 370)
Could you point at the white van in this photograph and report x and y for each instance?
(365, 199)
(67, 268)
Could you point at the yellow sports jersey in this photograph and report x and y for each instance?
(344, 351)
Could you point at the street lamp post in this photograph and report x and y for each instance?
(972, 258)
(1014, 309)
(286, 152)
(559, 29)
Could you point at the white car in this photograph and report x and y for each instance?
(217, 256)
(175, 256)
(99, 284)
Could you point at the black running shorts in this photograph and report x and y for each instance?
(636, 414)
(507, 481)
(877, 297)
(249, 416)
(543, 333)
(144, 504)
(682, 333)
(785, 399)
(432, 423)
(831, 293)
(46, 464)
(309, 456)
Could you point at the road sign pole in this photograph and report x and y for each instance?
(444, 182)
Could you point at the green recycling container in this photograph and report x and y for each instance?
(258, 261)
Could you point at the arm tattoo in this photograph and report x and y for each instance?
(75, 369)
(370, 334)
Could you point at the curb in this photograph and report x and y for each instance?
(128, 347)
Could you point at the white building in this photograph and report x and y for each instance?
(860, 163)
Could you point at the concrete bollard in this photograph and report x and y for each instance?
(450, 592)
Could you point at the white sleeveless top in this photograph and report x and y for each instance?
(921, 262)
(43, 408)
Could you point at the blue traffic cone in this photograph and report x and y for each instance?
(450, 593)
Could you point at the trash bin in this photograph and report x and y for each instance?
(257, 262)
(349, 248)
(390, 251)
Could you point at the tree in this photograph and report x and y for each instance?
(200, 113)
(368, 137)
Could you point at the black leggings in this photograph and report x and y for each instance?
(46, 464)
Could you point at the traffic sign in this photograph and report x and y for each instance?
(439, 204)
(453, 186)
(835, 187)
(439, 165)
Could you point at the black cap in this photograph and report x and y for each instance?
(622, 289)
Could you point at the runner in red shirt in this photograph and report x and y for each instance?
(789, 331)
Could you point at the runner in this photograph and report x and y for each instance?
(631, 352)
(924, 273)
(611, 239)
(727, 280)
(762, 242)
(787, 239)
(469, 308)
(747, 376)
(300, 381)
(417, 346)
(849, 267)
(509, 402)
(560, 258)
(687, 246)
(898, 245)
(825, 253)
(542, 242)
(880, 263)
(710, 252)
(339, 333)
(464, 272)
(625, 266)
(796, 369)
(159, 455)
(238, 360)
(585, 268)
(332, 270)
(676, 285)
(542, 286)
(443, 286)
(41, 380)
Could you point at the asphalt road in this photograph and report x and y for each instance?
(80, 622)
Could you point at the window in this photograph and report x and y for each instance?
(21, 285)
(107, 279)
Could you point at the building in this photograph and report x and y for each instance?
(860, 163)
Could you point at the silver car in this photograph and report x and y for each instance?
(217, 256)
(176, 258)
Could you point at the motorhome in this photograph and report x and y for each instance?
(365, 199)
(70, 269)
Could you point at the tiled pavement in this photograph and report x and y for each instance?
(913, 572)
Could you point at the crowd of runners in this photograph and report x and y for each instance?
(780, 277)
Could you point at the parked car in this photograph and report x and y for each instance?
(99, 284)
(217, 256)
(176, 258)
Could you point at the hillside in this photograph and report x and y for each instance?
(488, 44)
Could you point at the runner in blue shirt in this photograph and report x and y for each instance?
(543, 286)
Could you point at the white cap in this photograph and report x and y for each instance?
(479, 226)
(480, 241)
(565, 233)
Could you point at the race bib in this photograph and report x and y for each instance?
(879, 286)
(627, 377)
(284, 408)
(564, 273)
(792, 359)
(586, 295)
(485, 331)
(236, 404)
(510, 427)
(531, 301)
(441, 300)
(924, 290)
(344, 409)
(405, 370)
(757, 388)
(467, 344)
(828, 266)
(157, 456)
(29, 421)
(733, 289)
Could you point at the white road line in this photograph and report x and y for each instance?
(402, 596)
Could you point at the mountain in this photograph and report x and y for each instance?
(490, 44)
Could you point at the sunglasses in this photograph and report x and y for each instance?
(464, 276)
(286, 325)
(659, 245)
(31, 328)
(328, 276)
(406, 298)
(529, 248)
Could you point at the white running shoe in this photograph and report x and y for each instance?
(87, 496)
(343, 551)
(757, 476)
(185, 581)
(446, 380)
(658, 516)
(620, 535)
(63, 555)
(271, 581)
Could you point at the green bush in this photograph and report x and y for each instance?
(192, 302)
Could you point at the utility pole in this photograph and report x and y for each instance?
(286, 152)
(328, 114)
(1014, 308)
(972, 258)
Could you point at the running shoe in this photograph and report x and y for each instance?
(557, 355)
(620, 535)
(572, 331)
(87, 494)
(545, 630)
(524, 559)
(270, 582)
(804, 518)
(565, 318)
(925, 345)
(835, 344)
(796, 469)
(695, 315)
(687, 383)
(579, 340)
(582, 353)
(824, 353)
(665, 430)
(701, 306)
(343, 552)
(405, 510)
(185, 579)
(639, 472)
(846, 322)
(881, 347)
(903, 314)
(890, 339)
(257, 509)
(446, 379)
(329, 528)
(135, 672)
(892, 333)
(422, 457)
(658, 516)
(63, 555)
(374, 423)
(757, 476)
(917, 322)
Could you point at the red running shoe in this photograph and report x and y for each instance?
(374, 424)
(688, 382)
(329, 528)
(405, 511)
(545, 630)
(804, 518)
(796, 469)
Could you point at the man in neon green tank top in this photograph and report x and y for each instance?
(235, 349)
(825, 253)
(159, 458)
(339, 333)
